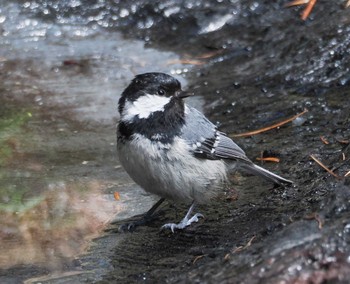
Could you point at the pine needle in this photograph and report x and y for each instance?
(250, 133)
(323, 166)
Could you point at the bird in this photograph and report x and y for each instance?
(172, 150)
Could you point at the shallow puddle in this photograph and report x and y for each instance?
(60, 181)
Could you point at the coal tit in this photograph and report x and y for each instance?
(172, 150)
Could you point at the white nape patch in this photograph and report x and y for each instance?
(144, 106)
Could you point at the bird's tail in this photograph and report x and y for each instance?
(259, 171)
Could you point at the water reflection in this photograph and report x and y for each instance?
(58, 169)
(45, 217)
(52, 226)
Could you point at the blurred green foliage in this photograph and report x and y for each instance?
(12, 198)
(10, 126)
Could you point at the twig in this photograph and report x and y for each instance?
(347, 174)
(296, 3)
(197, 258)
(323, 166)
(343, 141)
(309, 7)
(240, 248)
(254, 132)
(317, 218)
(209, 54)
(185, 61)
(307, 10)
(324, 140)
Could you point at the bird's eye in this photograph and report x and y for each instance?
(161, 92)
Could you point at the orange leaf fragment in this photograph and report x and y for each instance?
(116, 195)
(269, 159)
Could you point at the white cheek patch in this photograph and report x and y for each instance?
(144, 106)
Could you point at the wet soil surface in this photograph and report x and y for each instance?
(255, 63)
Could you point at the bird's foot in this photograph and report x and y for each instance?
(183, 224)
(130, 227)
(145, 219)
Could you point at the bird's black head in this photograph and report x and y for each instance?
(156, 84)
(152, 103)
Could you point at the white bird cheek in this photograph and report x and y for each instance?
(144, 106)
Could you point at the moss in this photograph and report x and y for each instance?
(11, 124)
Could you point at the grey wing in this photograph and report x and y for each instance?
(206, 141)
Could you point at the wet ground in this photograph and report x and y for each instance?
(253, 62)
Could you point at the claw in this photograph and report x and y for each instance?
(186, 221)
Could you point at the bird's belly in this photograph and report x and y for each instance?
(171, 172)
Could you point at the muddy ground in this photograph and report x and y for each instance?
(257, 64)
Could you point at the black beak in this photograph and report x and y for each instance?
(183, 94)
